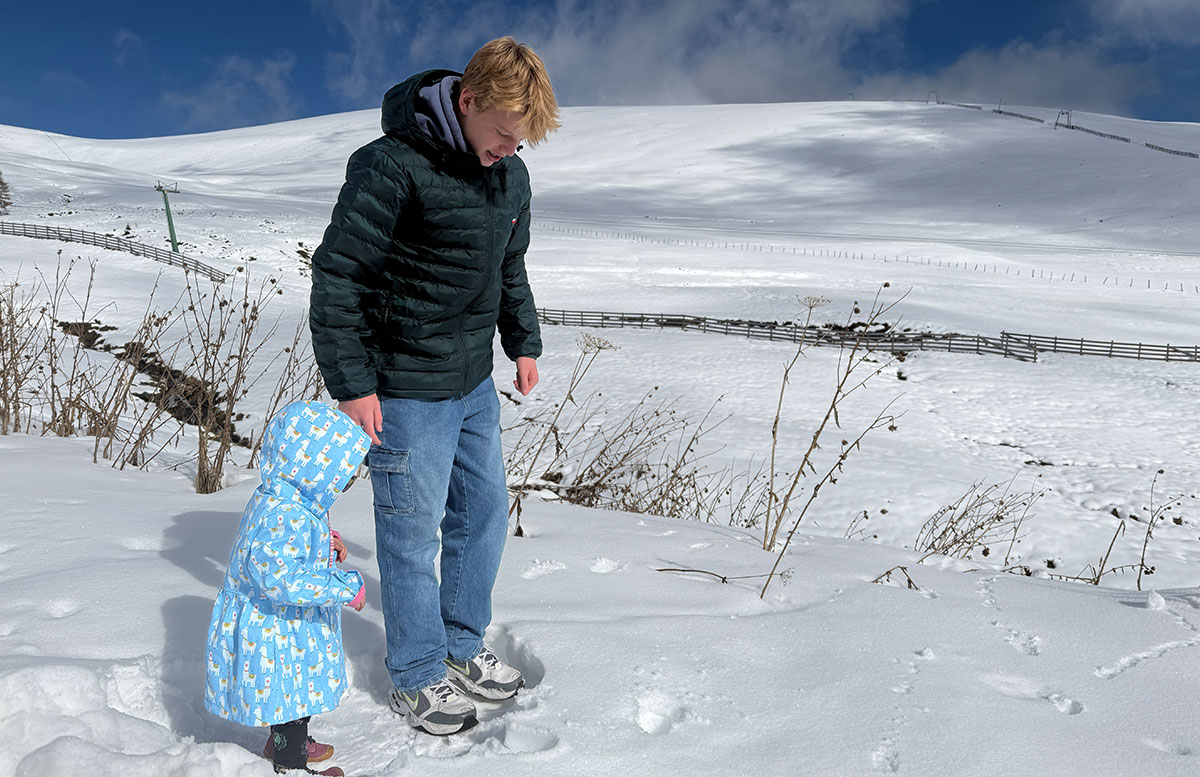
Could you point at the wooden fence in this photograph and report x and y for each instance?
(1097, 133)
(1019, 115)
(113, 244)
(1013, 345)
(1174, 151)
(961, 105)
(1069, 125)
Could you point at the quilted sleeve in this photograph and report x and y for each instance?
(520, 334)
(283, 563)
(347, 268)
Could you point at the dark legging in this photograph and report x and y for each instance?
(291, 744)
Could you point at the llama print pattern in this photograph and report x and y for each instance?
(275, 640)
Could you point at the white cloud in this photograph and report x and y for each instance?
(128, 48)
(701, 51)
(241, 92)
(620, 51)
(1050, 74)
(705, 50)
(376, 31)
(1149, 22)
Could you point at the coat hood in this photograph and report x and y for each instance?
(310, 453)
(400, 105)
(437, 113)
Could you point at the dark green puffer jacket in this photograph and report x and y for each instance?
(423, 259)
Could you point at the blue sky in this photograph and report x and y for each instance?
(134, 69)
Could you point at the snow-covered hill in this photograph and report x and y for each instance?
(730, 211)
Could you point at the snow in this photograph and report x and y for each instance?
(730, 211)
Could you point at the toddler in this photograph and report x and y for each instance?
(275, 641)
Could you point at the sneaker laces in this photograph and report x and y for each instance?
(489, 658)
(443, 690)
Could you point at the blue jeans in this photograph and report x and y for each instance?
(440, 466)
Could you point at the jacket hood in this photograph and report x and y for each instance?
(437, 112)
(310, 453)
(399, 104)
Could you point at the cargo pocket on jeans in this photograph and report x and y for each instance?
(390, 480)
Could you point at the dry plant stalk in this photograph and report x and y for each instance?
(647, 460)
(979, 518)
(47, 371)
(810, 304)
(851, 360)
(886, 577)
(300, 378)
(19, 353)
(147, 417)
(67, 380)
(1156, 514)
(1092, 574)
(222, 336)
(590, 347)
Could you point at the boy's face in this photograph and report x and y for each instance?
(492, 135)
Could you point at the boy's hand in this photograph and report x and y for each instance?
(365, 412)
(527, 374)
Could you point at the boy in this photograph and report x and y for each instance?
(422, 262)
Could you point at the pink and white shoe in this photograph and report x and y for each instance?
(317, 752)
(332, 771)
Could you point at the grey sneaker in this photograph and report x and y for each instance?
(486, 675)
(437, 708)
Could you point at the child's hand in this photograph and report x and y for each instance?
(359, 600)
(337, 548)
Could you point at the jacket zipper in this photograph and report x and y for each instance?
(462, 341)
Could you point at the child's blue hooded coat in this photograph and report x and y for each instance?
(275, 641)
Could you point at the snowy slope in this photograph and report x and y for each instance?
(631, 670)
(717, 210)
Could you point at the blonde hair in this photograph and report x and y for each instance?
(508, 76)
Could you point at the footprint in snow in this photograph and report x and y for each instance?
(1026, 688)
(1023, 641)
(60, 608)
(517, 652)
(1130, 661)
(658, 712)
(1170, 748)
(987, 594)
(886, 757)
(604, 566)
(542, 568)
(518, 737)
